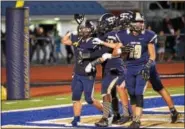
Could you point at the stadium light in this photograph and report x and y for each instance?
(56, 19)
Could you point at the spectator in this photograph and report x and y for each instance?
(149, 27)
(170, 41)
(69, 53)
(161, 46)
(40, 44)
(58, 48)
(183, 24)
(179, 45)
(51, 43)
(183, 21)
(166, 22)
(32, 45)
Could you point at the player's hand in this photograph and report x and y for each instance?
(106, 56)
(89, 68)
(145, 72)
(127, 49)
(97, 41)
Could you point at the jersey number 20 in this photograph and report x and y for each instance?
(136, 54)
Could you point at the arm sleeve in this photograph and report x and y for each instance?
(153, 39)
(98, 53)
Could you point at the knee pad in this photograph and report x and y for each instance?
(139, 101)
(157, 87)
(132, 99)
(89, 100)
(76, 97)
(156, 81)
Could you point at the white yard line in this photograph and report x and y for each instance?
(10, 102)
(60, 98)
(36, 100)
(156, 109)
(67, 105)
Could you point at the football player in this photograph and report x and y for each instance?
(82, 81)
(154, 77)
(113, 73)
(137, 62)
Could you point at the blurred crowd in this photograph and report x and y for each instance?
(46, 47)
(171, 39)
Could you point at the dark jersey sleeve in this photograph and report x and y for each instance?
(152, 37)
(75, 40)
(109, 37)
(99, 52)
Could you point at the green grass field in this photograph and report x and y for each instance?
(66, 99)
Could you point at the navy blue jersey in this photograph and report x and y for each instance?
(83, 46)
(114, 63)
(140, 54)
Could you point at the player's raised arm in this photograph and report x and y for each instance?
(66, 40)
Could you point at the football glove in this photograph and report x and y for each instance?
(127, 49)
(145, 71)
(89, 68)
(106, 56)
(97, 41)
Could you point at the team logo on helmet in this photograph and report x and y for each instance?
(106, 23)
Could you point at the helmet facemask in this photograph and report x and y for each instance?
(86, 31)
(137, 23)
(137, 26)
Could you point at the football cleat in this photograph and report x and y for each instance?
(75, 121)
(116, 118)
(124, 119)
(134, 124)
(175, 117)
(102, 123)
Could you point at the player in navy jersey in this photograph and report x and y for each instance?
(154, 79)
(137, 62)
(154, 76)
(113, 73)
(82, 81)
